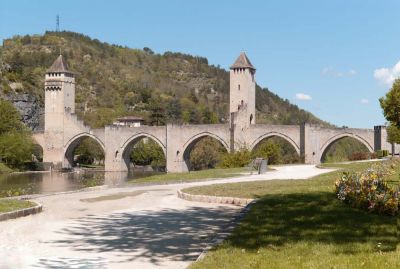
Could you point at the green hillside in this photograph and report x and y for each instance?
(115, 81)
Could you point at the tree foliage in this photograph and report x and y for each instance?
(391, 104)
(16, 148)
(148, 152)
(10, 119)
(393, 134)
(89, 152)
(206, 154)
(16, 145)
(268, 150)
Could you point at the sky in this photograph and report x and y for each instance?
(332, 58)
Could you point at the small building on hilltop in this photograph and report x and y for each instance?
(131, 121)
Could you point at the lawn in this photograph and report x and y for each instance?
(301, 224)
(210, 174)
(7, 205)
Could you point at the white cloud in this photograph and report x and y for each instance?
(387, 75)
(364, 101)
(331, 72)
(303, 97)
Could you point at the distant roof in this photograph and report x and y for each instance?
(130, 118)
(58, 66)
(242, 62)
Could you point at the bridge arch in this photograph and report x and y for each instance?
(325, 147)
(272, 134)
(73, 143)
(192, 141)
(128, 145)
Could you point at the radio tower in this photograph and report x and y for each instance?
(58, 23)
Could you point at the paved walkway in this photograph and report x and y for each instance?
(130, 227)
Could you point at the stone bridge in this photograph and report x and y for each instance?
(64, 132)
(310, 141)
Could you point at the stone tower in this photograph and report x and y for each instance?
(242, 93)
(59, 100)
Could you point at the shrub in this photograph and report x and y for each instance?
(369, 190)
(239, 158)
(357, 156)
(382, 153)
(268, 150)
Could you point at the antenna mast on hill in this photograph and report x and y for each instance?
(58, 23)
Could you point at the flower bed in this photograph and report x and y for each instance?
(369, 190)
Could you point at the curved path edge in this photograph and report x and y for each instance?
(214, 199)
(21, 212)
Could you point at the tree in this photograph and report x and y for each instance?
(206, 154)
(89, 151)
(16, 148)
(173, 110)
(16, 145)
(393, 133)
(148, 152)
(10, 119)
(391, 104)
(157, 115)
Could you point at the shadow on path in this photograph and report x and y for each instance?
(169, 234)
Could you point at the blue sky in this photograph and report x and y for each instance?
(333, 58)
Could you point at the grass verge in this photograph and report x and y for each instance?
(8, 205)
(209, 174)
(301, 224)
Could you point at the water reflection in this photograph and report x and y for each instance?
(46, 182)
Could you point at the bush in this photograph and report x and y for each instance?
(268, 150)
(239, 158)
(358, 156)
(369, 190)
(382, 153)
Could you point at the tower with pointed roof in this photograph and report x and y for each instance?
(59, 94)
(242, 93)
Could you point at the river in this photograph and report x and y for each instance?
(51, 182)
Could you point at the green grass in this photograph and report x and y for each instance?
(209, 174)
(8, 205)
(301, 224)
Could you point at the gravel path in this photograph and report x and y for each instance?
(129, 227)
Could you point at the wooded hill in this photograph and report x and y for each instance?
(114, 81)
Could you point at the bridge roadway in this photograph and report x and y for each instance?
(149, 228)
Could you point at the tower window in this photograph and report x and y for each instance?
(239, 87)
